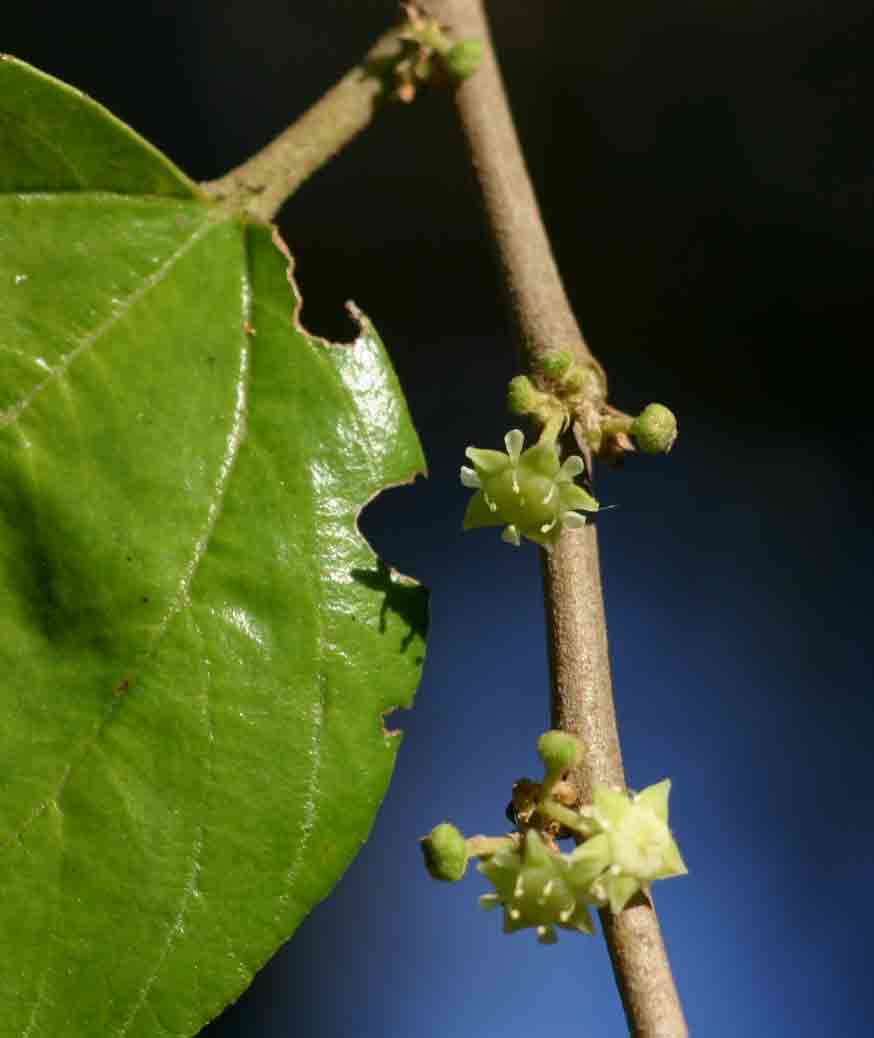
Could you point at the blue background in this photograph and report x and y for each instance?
(706, 179)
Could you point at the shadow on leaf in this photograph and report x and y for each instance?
(403, 597)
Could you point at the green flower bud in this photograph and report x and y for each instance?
(533, 886)
(463, 59)
(555, 363)
(531, 494)
(559, 751)
(655, 429)
(522, 397)
(445, 853)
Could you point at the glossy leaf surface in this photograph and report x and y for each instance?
(198, 646)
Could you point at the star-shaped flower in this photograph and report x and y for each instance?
(530, 493)
(631, 846)
(532, 884)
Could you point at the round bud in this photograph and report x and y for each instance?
(555, 363)
(522, 397)
(559, 751)
(462, 59)
(655, 429)
(445, 852)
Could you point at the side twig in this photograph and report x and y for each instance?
(582, 699)
(262, 183)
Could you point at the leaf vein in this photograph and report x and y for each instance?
(181, 599)
(173, 932)
(12, 413)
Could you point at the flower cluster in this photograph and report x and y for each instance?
(630, 846)
(530, 493)
(428, 55)
(626, 845)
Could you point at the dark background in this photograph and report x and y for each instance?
(707, 179)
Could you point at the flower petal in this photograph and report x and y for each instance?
(610, 806)
(588, 861)
(534, 852)
(479, 514)
(575, 499)
(469, 478)
(673, 862)
(656, 798)
(580, 920)
(487, 462)
(514, 442)
(541, 459)
(572, 467)
(573, 520)
(620, 890)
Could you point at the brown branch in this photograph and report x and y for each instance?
(262, 183)
(582, 699)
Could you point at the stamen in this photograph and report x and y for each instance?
(550, 495)
(511, 536)
(548, 526)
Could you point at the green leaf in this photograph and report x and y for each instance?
(197, 644)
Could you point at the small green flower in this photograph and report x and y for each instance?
(530, 493)
(631, 846)
(533, 885)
